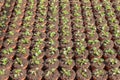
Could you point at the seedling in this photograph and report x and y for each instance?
(52, 61)
(99, 61)
(7, 5)
(27, 33)
(82, 61)
(9, 41)
(66, 72)
(7, 51)
(17, 73)
(2, 72)
(64, 41)
(27, 19)
(11, 33)
(118, 41)
(40, 26)
(66, 50)
(80, 50)
(18, 61)
(18, 12)
(65, 20)
(38, 42)
(36, 51)
(98, 73)
(110, 51)
(113, 61)
(106, 42)
(21, 50)
(92, 42)
(33, 72)
(115, 71)
(51, 71)
(41, 19)
(20, 1)
(118, 8)
(106, 34)
(4, 61)
(25, 41)
(52, 19)
(51, 42)
(83, 72)
(68, 61)
(35, 60)
(96, 51)
(52, 34)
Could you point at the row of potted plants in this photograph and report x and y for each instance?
(90, 28)
(5, 18)
(95, 53)
(116, 6)
(6, 14)
(111, 17)
(81, 62)
(51, 62)
(39, 34)
(37, 45)
(52, 43)
(113, 23)
(12, 35)
(78, 31)
(109, 53)
(66, 31)
(104, 35)
(41, 15)
(20, 62)
(66, 53)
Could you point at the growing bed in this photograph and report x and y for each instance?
(59, 39)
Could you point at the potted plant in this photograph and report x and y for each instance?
(36, 51)
(9, 43)
(67, 63)
(52, 52)
(22, 52)
(26, 34)
(51, 74)
(51, 63)
(24, 42)
(99, 74)
(52, 42)
(109, 53)
(20, 63)
(37, 35)
(95, 53)
(97, 63)
(93, 43)
(82, 63)
(19, 74)
(35, 62)
(111, 63)
(34, 73)
(38, 43)
(107, 44)
(67, 74)
(81, 52)
(53, 35)
(67, 51)
(4, 74)
(5, 63)
(114, 74)
(7, 52)
(83, 74)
